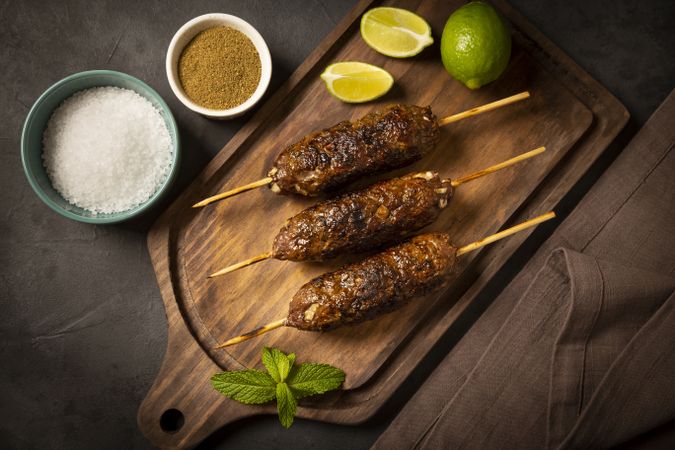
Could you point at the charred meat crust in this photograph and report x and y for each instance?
(363, 220)
(374, 286)
(380, 141)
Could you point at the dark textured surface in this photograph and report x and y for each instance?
(82, 325)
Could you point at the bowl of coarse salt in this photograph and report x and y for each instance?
(100, 147)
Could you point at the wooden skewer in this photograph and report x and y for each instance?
(445, 121)
(496, 167)
(485, 108)
(454, 183)
(460, 251)
(257, 332)
(502, 234)
(241, 264)
(235, 191)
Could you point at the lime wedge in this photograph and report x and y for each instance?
(356, 82)
(395, 32)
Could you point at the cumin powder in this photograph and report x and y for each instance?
(219, 68)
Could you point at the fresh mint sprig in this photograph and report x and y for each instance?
(283, 381)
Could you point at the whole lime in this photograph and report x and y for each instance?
(476, 45)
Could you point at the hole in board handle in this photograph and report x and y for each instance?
(171, 420)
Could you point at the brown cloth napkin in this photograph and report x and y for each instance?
(579, 350)
(589, 346)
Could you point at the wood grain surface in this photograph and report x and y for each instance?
(569, 113)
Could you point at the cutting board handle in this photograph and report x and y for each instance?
(176, 414)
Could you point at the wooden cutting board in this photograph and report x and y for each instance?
(569, 113)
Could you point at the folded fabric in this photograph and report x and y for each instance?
(586, 360)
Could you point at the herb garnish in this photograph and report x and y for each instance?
(283, 381)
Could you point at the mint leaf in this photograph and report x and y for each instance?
(286, 405)
(277, 363)
(283, 380)
(245, 386)
(311, 379)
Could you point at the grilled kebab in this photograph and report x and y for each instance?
(329, 159)
(374, 286)
(384, 140)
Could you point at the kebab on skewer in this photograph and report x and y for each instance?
(379, 284)
(367, 219)
(326, 160)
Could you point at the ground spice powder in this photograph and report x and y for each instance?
(219, 68)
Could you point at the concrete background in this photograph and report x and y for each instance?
(82, 326)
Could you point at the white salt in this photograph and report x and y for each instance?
(107, 149)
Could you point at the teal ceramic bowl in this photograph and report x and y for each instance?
(36, 122)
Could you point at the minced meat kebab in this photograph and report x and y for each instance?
(327, 160)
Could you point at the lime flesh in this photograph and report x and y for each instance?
(395, 32)
(356, 82)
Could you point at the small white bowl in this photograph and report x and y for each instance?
(188, 31)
